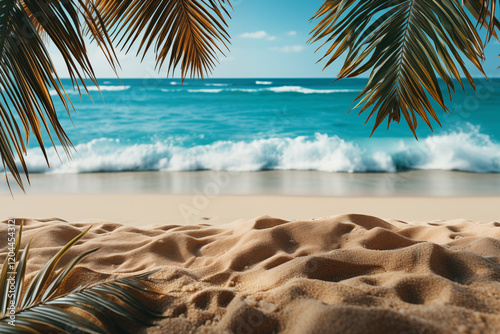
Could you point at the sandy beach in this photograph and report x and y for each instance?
(263, 262)
(144, 210)
(207, 167)
(339, 274)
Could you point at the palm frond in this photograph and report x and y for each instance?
(27, 72)
(33, 20)
(484, 12)
(41, 310)
(184, 31)
(407, 45)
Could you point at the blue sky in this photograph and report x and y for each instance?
(269, 40)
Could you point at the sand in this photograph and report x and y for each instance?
(147, 209)
(338, 274)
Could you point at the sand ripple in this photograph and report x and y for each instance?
(343, 274)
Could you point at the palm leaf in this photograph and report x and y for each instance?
(484, 12)
(41, 312)
(33, 293)
(407, 45)
(184, 31)
(27, 72)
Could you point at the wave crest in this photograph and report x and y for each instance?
(460, 151)
(263, 82)
(283, 89)
(94, 89)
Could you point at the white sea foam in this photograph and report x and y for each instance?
(216, 85)
(93, 89)
(171, 90)
(205, 90)
(463, 151)
(108, 88)
(283, 89)
(263, 82)
(245, 90)
(302, 90)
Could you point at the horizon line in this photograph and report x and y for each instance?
(255, 78)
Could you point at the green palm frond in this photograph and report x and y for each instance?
(185, 32)
(40, 310)
(407, 45)
(27, 71)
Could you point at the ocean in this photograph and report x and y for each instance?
(251, 125)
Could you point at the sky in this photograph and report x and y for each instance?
(268, 40)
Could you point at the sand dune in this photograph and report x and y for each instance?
(343, 274)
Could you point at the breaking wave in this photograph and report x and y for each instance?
(458, 151)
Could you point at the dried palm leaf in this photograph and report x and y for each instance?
(185, 32)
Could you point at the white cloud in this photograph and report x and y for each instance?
(254, 35)
(291, 33)
(290, 48)
(258, 35)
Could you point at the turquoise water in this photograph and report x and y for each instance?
(265, 124)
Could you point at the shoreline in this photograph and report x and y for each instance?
(157, 209)
(431, 183)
